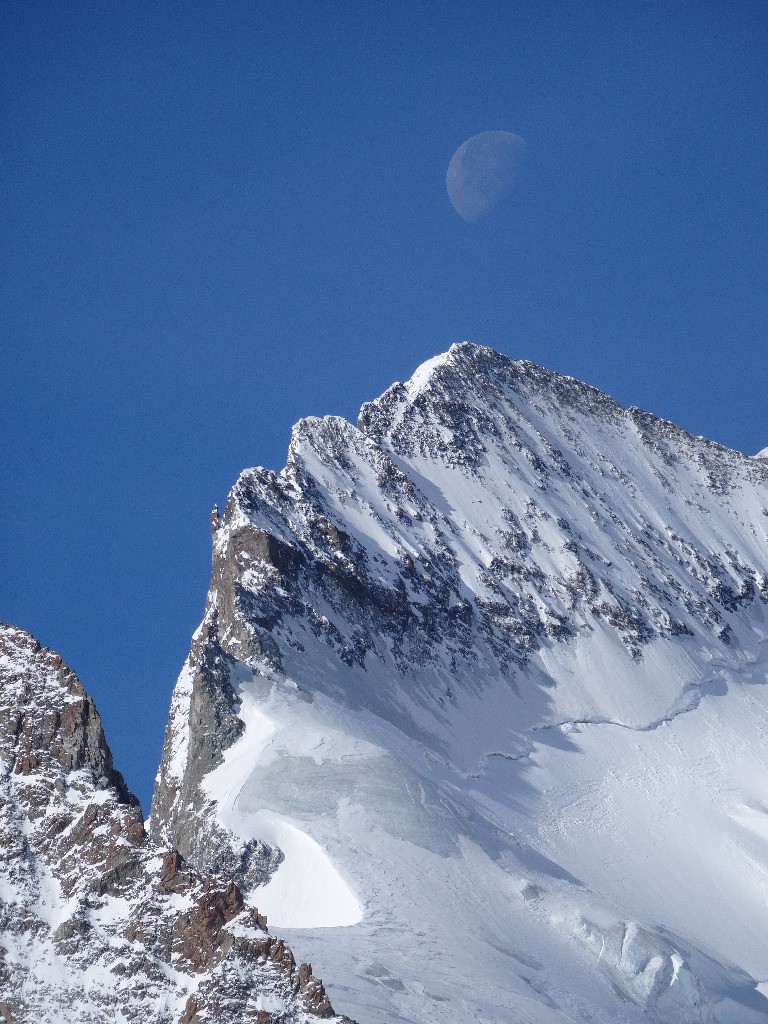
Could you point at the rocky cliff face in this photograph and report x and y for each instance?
(439, 649)
(96, 923)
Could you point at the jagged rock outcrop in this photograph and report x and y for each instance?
(96, 923)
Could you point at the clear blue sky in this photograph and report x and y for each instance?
(220, 217)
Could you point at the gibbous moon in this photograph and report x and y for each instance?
(483, 171)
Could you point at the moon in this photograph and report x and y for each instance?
(483, 171)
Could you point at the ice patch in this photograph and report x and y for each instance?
(649, 972)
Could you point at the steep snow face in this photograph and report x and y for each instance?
(496, 661)
(96, 924)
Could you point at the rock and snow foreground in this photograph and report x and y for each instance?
(97, 926)
(477, 715)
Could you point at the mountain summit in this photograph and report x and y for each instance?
(476, 709)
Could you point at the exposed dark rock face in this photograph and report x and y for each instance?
(179, 807)
(94, 919)
(68, 733)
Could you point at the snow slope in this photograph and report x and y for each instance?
(478, 706)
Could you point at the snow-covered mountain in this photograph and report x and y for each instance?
(477, 716)
(97, 925)
(477, 712)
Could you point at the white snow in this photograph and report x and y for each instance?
(306, 891)
(179, 723)
(421, 376)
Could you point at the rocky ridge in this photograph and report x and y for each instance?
(96, 923)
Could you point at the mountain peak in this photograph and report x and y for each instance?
(457, 396)
(433, 627)
(47, 717)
